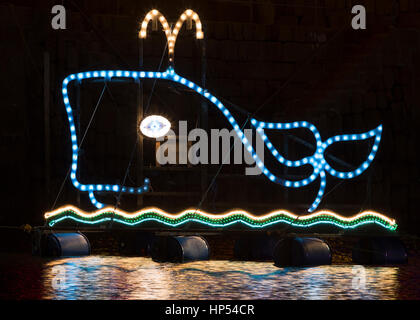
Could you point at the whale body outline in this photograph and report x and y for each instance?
(316, 160)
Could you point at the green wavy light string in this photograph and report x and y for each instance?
(193, 216)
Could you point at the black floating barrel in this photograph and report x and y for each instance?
(379, 250)
(68, 244)
(179, 248)
(300, 252)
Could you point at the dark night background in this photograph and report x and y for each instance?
(299, 58)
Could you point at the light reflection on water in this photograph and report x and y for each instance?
(105, 277)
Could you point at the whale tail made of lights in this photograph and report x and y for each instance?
(317, 160)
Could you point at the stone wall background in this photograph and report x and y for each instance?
(254, 48)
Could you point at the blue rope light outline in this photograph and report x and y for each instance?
(317, 160)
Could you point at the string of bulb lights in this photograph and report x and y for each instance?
(218, 220)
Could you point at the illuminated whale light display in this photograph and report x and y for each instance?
(317, 160)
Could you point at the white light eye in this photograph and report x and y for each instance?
(155, 126)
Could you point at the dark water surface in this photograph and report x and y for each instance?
(114, 277)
